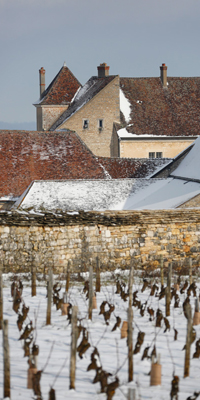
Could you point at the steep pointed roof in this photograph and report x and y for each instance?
(91, 88)
(154, 110)
(61, 90)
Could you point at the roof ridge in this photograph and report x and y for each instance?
(77, 104)
(52, 85)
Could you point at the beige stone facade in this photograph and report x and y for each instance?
(104, 106)
(47, 115)
(142, 148)
(164, 108)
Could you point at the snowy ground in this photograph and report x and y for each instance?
(113, 349)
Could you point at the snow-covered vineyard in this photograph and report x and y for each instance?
(54, 340)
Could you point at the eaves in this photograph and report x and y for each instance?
(157, 138)
(51, 105)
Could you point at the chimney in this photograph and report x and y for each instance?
(163, 75)
(42, 81)
(103, 70)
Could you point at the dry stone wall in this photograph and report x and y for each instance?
(41, 240)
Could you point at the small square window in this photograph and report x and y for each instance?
(85, 123)
(152, 154)
(159, 154)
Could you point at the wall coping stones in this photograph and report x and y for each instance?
(106, 218)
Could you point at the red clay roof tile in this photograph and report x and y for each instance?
(26, 156)
(61, 90)
(171, 111)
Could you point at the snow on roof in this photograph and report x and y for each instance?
(190, 166)
(93, 86)
(152, 108)
(101, 195)
(79, 194)
(125, 106)
(61, 90)
(123, 133)
(162, 194)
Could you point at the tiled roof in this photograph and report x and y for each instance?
(171, 111)
(27, 156)
(120, 168)
(76, 194)
(93, 86)
(61, 90)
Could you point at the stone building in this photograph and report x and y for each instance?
(56, 98)
(27, 156)
(123, 117)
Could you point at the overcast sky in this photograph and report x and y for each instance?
(134, 37)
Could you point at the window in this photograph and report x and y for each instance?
(100, 124)
(85, 123)
(158, 154)
(152, 155)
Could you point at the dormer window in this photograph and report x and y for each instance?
(100, 124)
(85, 123)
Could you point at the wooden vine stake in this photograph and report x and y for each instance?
(74, 335)
(131, 394)
(65, 304)
(168, 291)
(67, 277)
(196, 317)
(49, 297)
(130, 327)
(90, 292)
(190, 270)
(33, 276)
(1, 297)
(52, 394)
(124, 329)
(6, 357)
(161, 271)
(188, 312)
(98, 278)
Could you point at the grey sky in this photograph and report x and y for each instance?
(134, 37)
